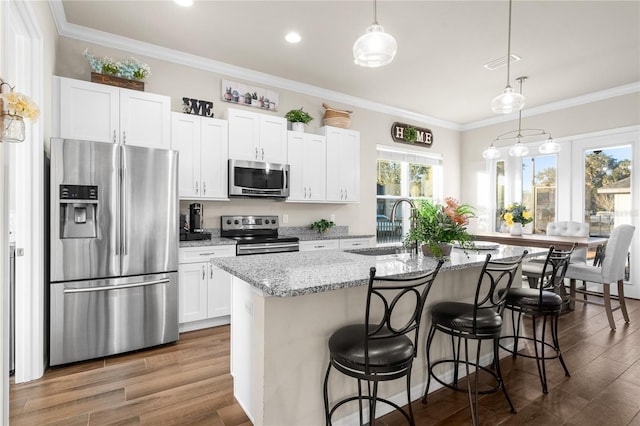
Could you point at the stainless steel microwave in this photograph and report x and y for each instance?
(258, 179)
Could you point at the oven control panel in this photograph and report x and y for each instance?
(243, 223)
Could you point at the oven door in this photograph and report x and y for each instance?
(257, 179)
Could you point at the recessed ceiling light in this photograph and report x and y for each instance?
(501, 62)
(184, 3)
(293, 37)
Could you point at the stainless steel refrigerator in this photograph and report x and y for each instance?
(114, 249)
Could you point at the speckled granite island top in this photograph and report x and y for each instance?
(300, 273)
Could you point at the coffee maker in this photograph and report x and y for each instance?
(195, 217)
(192, 230)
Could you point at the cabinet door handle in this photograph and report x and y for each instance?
(256, 157)
(124, 137)
(203, 275)
(197, 189)
(204, 188)
(309, 192)
(115, 135)
(346, 195)
(263, 153)
(210, 271)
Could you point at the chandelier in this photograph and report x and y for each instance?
(374, 48)
(518, 149)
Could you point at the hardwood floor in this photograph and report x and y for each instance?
(188, 383)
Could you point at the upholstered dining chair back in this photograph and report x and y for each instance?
(615, 253)
(571, 229)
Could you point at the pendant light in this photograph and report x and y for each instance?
(375, 48)
(518, 149)
(508, 101)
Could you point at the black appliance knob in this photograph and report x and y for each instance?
(237, 222)
(228, 221)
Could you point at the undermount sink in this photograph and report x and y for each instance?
(380, 251)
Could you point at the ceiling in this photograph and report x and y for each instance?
(569, 49)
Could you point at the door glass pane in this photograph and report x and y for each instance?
(389, 174)
(539, 189)
(607, 187)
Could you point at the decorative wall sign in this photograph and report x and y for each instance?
(404, 133)
(197, 107)
(243, 94)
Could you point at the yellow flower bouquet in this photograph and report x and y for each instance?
(517, 213)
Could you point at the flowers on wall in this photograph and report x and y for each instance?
(517, 213)
(18, 104)
(130, 68)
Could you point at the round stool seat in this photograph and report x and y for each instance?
(533, 300)
(460, 316)
(347, 348)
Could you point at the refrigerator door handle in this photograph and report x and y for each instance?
(115, 287)
(124, 209)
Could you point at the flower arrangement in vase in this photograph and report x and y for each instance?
(15, 107)
(130, 68)
(439, 226)
(322, 225)
(516, 216)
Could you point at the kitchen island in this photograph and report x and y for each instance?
(285, 306)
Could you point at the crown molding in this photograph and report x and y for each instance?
(626, 89)
(102, 38)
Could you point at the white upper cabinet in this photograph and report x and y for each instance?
(202, 143)
(98, 112)
(307, 161)
(257, 137)
(343, 164)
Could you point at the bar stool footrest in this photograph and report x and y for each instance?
(535, 342)
(496, 388)
(368, 398)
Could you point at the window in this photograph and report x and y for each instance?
(402, 175)
(539, 189)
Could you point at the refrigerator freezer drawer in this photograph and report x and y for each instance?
(91, 319)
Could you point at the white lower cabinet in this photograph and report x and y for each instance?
(337, 244)
(319, 245)
(204, 289)
(355, 243)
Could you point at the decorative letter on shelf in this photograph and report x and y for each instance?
(404, 133)
(197, 107)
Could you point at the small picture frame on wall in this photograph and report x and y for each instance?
(244, 94)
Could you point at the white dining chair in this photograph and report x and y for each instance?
(571, 229)
(611, 271)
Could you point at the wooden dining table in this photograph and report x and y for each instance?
(540, 240)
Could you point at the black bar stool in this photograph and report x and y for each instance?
(546, 301)
(480, 320)
(381, 348)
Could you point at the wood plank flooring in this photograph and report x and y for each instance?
(188, 383)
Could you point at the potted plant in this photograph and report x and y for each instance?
(439, 226)
(322, 225)
(247, 98)
(254, 99)
(298, 119)
(516, 215)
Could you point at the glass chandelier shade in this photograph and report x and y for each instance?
(518, 150)
(550, 147)
(491, 153)
(375, 48)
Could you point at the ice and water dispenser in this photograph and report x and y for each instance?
(78, 211)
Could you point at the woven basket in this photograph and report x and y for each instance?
(336, 118)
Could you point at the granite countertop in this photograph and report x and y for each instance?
(300, 273)
(304, 233)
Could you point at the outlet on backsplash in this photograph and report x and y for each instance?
(333, 218)
(285, 219)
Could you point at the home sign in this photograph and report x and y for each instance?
(197, 107)
(404, 133)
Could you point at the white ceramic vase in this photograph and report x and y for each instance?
(297, 127)
(516, 229)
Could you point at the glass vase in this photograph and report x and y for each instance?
(12, 128)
